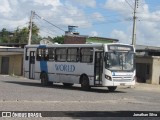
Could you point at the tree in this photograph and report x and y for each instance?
(21, 36)
(4, 36)
(35, 37)
(59, 39)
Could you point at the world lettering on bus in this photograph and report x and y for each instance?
(65, 68)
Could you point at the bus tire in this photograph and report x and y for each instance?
(85, 83)
(112, 88)
(44, 80)
(68, 84)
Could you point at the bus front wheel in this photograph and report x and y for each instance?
(112, 88)
(85, 83)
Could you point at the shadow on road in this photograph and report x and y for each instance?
(60, 86)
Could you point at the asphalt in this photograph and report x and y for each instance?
(144, 86)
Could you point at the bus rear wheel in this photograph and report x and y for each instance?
(85, 83)
(112, 88)
(44, 80)
(68, 84)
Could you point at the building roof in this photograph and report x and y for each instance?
(101, 40)
(20, 45)
(143, 48)
(5, 50)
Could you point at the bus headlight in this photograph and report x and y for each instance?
(108, 77)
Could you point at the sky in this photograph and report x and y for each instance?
(101, 18)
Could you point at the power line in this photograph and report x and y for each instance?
(50, 23)
(47, 30)
(129, 4)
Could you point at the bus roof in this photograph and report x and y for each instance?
(75, 45)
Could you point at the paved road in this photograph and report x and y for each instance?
(21, 94)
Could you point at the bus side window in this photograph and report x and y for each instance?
(72, 55)
(42, 54)
(86, 55)
(46, 54)
(39, 54)
(61, 54)
(51, 54)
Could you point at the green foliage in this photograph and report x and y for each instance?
(20, 35)
(95, 40)
(4, 36)
(59, 39)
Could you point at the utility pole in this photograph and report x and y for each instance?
(30, 28)
(134, 24)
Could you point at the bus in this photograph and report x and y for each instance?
(90, 65)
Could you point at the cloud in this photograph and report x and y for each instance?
(17, 13)
(85, 3)
(97, 16)
(5, 8)
(94, 34)
(118, 6)
(147, 22)
(121, 36)
(48, 2)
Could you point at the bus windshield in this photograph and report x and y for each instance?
(117, 61)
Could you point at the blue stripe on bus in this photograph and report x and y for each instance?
(42, 46)
(43, 64)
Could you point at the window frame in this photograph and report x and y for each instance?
(56, 58)
(51, 57)
(76, 55)
(44, 54)
(91, 56)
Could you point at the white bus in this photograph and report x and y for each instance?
(90, 65)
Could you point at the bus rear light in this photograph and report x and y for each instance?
(108, 77)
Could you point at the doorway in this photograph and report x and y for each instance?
(5, 65)
(98, 68)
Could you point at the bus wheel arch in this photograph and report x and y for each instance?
(84, 81)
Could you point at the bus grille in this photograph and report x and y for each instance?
(122, 78)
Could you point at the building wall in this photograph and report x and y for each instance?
(74, 40)
(156, 70)
(148, 69)
(101, 40)
(144, 68)
(15, 64)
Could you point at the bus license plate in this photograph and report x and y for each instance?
(122, 84)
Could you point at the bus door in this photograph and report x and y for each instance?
(98, 68)
(31, 64)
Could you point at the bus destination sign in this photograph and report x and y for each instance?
(120, 48)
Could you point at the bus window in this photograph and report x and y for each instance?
(42, 54)
(72, 55)
(46, 55)
(39, 54)
(61, 54)
(86, 55)
(51, 54)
